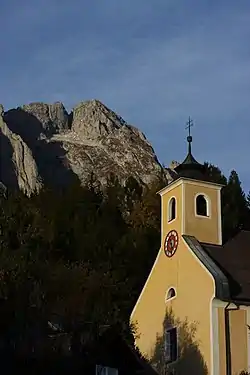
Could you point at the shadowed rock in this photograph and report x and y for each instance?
(17, 165)
(52, 117)
(51, 162)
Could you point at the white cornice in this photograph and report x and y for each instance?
(189, 181)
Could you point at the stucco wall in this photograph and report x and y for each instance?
(205, 229)
(238, 340)
(222, 340)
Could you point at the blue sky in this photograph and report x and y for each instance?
(154, 62)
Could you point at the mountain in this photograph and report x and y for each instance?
(43, 144)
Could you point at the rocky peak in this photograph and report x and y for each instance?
(43, 144)
(53, 117)
(37, 120)
(92, 119)
(174, 164)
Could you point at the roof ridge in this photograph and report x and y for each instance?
(210, 244)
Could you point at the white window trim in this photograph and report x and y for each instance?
(208, 202)
(170, 298)
(169, 211)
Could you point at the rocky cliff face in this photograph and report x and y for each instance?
(17, 165)
(43, 144)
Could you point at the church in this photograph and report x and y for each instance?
(193, 313)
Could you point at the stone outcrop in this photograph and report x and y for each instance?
(17, 165)
(46, 145)
(92, 119)
(53, 117)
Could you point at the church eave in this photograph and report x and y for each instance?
(192, 180)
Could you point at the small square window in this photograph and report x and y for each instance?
(170, 345)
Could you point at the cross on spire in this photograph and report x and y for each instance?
(189, 124)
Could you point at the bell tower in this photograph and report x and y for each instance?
(191, 203)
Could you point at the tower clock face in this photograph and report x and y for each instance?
(171, 243)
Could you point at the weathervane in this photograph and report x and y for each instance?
(189, 138)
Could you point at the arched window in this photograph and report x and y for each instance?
(170, 293)
(201, 205)
(172, 209)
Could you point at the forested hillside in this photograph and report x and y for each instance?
(82, 254)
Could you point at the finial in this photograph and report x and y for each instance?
(189, 137)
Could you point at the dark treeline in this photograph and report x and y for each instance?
(81, 254)
(235, 204)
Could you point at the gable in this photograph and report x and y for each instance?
(192, 281)
(221, 282)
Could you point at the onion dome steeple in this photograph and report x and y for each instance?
(190, 167)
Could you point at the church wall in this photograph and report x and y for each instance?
(238, 340)
(239, 337)
(176, 224)
(191, 308)
(194, 303)
(222, 340)
(205, 229)
(248, 337)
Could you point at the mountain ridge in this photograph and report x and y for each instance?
(43, 144)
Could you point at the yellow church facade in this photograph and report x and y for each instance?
(190, 318)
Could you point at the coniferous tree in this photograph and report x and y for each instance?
(248, 200)
(215, 174)
(234, 207)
